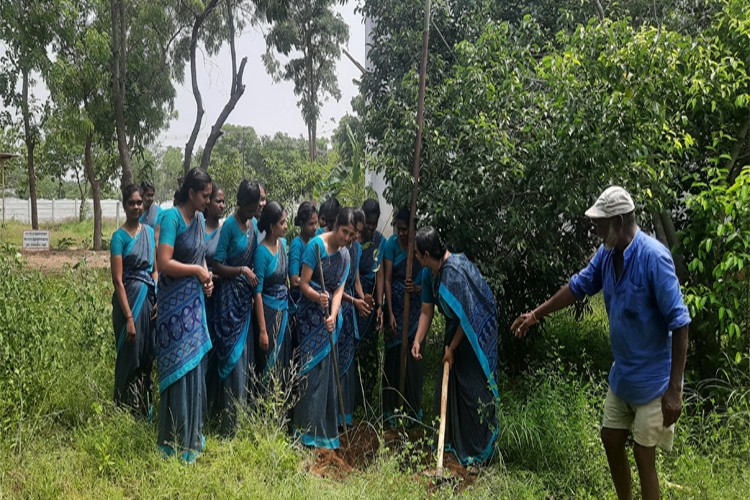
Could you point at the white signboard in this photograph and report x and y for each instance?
(36, 240)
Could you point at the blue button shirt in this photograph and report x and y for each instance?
(644, 306)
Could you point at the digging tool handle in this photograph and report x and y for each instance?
(443, 411)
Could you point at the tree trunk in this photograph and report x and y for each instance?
(82, 193)
(659, 229)
(733, 166)
(599, 10)
(238, 89)
(96, 191)
(673, 244)
(119, 73)
(311, 139)
(199, 111)
(30, 142)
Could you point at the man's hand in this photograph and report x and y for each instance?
(671, 406)
(522, 324)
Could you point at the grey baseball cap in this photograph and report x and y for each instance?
(613, 201)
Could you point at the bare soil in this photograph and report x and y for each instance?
(361, 444)
(52, 261)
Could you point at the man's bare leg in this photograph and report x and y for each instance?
(619, 468)
(645, 458)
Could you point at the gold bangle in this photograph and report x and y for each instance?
(533, 315)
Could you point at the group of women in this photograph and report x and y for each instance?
(237, 313)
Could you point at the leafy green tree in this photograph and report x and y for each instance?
(280, 162)
(347, 179)
(27, 30)
(80, 87)
(142, 62)
(522, 132)
(316, 32)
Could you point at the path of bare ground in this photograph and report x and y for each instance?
(52, 261)
(360, 446)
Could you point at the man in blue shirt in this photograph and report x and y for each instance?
(648, 327)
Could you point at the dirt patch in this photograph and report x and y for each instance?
(330, 464)
(51, 261)
(361, 444)
(455, 476)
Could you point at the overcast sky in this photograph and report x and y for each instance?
(266, 106)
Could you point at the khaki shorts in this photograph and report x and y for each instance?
(644, 421)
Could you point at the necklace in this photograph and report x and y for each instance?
(134, 233)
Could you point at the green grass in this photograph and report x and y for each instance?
(60, 435)
(67, 234)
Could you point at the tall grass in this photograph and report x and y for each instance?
(61, 436)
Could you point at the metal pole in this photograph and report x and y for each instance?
(414, 193)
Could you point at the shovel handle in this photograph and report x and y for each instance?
(443, 411)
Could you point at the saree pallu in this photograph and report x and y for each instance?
(315, 417)
(232, 355)
(135, 360)
(276, 363)
(412, 397)
(466, 300)
(149, 218)
(348, 338)
(182, 341)
(212, 376)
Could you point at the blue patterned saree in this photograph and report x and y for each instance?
(316, 413)
(348, 337)
(272, 285)
(466, 300)
(233, 325)
(182, 340)
(412, 397)
(135, 360)
(150, 216)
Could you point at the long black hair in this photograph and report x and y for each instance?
(359, 217)
(371, 207)
(272, 213)
(128, 191)
(304, 213)
(248, 193)
(147, 186)
(403, 215)
(330, 210)
(197, 180)
(345, 217)
(428, 240)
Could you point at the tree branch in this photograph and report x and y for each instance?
(599, 10)
(199, 111)
(733, 166)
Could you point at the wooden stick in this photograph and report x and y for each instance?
(443, 411)
(334, 353)
(415, 191)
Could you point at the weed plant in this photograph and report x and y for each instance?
(61, 435)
